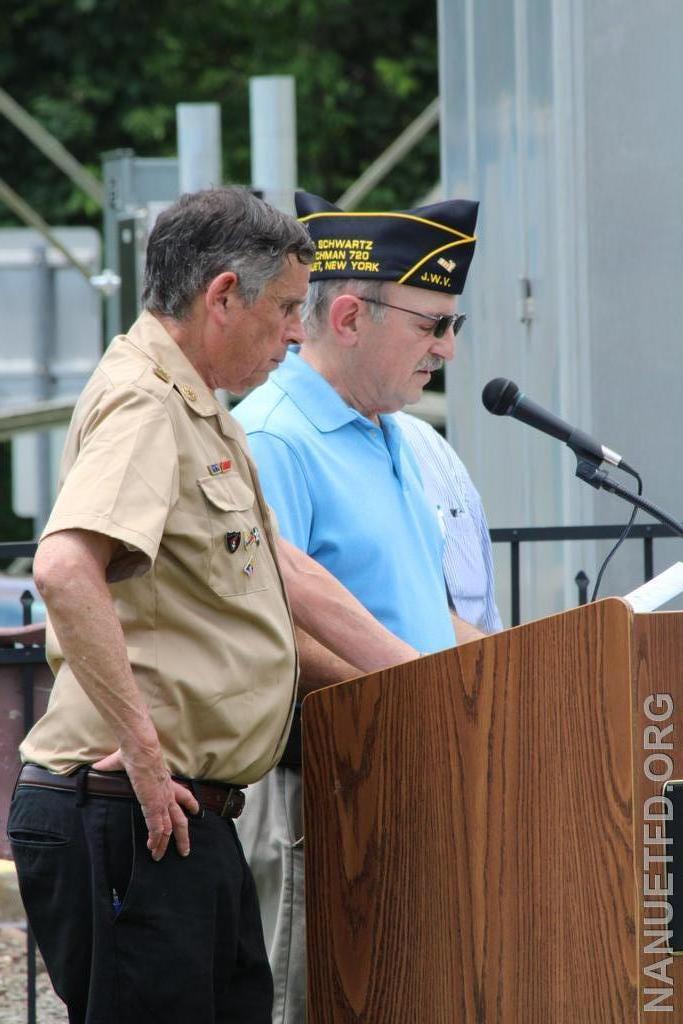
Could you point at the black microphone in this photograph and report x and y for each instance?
(502, 397)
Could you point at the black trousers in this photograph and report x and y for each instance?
(127, 940)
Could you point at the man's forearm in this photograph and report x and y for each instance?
(331, 614)
(69, 570)
(319, 666)
(70, 575)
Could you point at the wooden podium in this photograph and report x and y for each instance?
(475, 839)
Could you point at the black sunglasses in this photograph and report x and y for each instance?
(441, 321)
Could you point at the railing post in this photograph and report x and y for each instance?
(30, 976)
(514, 583)
(582, 582)
(648, 556)
(26, 608)
(27, 672)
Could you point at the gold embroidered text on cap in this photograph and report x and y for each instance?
(428, 247)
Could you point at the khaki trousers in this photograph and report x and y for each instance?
(271, 832)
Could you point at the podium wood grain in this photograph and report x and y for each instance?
(470, 833)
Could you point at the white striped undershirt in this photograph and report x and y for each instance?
(467, 556)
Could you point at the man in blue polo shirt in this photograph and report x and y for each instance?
(346, 490)
(345, 486)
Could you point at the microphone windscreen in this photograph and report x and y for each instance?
(500, 395)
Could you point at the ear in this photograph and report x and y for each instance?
(343, 318)
(221, 293)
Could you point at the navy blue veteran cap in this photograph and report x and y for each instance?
(429, 247)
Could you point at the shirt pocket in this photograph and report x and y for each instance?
(238, 563)
(464, 565)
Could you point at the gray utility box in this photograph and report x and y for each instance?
(50, 342)
(136, 190)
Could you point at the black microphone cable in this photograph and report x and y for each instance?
(624, 534)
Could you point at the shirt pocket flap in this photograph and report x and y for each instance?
(228, 493)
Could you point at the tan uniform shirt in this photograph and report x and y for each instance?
(152, 460)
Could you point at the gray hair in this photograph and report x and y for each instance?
(206, 233)
(321, 295)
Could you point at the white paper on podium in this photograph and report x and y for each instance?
(657, 591)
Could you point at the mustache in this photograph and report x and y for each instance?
(431, 364)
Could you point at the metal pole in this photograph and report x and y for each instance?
(272, 106)
(200, 158)
(380, 167)
(51, 147)
(44, 352)
(29, 216)
(27, 672)
(31, 975)
(649, 559)
(515, 610)
(35, 415)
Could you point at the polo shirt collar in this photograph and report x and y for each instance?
(149, 336)
(313, 395)
(326, 409)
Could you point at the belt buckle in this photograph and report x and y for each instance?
(234, 803)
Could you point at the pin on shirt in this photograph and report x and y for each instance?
(216, 468)
(253, 537)
(233, 538)
(252, 541)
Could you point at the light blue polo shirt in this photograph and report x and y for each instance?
(349, 493)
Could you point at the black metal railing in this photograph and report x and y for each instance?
(515, 537)
(17, 549)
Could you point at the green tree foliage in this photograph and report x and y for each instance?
(11, 527)
(105, 74)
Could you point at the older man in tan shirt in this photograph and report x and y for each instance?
(171, 638)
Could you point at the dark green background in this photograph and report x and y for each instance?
(104, 74)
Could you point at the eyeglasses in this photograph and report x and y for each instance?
(441, 321)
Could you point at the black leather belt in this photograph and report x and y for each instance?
(224, 800)
(291, 755)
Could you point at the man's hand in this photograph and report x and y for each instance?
(162, 800)
(465, 631)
